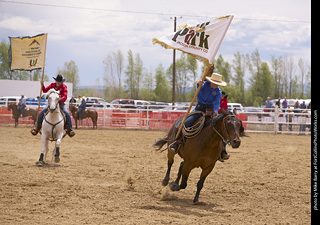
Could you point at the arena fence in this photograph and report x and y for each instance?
(267, 121)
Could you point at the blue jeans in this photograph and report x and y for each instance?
(21, 109)
(80, 113)
(194, 117)
(64, 109)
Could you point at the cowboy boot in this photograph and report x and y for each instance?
(174, 146)
(224, 156)
(36, 130)
(69, 131)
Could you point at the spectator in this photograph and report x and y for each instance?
(285, 103)
(72, 101)
(268, 104)
(303, 105)
(303, 120)
(309, 105)
(96, 103)
(290, 116)
(278, 103)
(78, 100)
(296, 107)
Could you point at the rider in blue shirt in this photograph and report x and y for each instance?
(208, 102)
(23, 104)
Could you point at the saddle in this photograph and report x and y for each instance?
(196, 128)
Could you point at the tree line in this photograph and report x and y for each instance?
(250, 80)
(280, 77)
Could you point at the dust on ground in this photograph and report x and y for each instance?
(114, 177)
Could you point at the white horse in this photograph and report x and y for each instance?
(52, 128)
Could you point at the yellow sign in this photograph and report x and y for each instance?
(28, 53)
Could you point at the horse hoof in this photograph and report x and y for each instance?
(174, 186)
(195, 201)
(165, 182)
(40, 163)
(56, 159)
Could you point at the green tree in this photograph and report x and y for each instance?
(239, 68)
(71, 73)
(162, 90)
(5, 72)
(224, 68)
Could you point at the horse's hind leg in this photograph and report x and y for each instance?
(184, 170)
(174, 186)
(170, 162)
(203, 176)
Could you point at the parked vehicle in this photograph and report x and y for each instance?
(91, 102)
(141, 104)
(5, 99)
(237, 106)
(123, 103)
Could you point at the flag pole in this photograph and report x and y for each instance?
(208, 71)
(42, 77)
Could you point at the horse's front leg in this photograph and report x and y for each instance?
(44, 147)
(170, 162)
(203, 176)
(57, 148)
(16, 122)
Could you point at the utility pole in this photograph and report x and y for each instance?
(174, 64)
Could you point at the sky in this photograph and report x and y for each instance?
(87, 31)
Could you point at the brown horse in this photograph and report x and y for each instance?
(26, 112)
(203, 150)
(87, 113)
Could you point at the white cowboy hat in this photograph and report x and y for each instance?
(216, 79)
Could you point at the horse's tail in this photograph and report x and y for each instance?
(158, 144)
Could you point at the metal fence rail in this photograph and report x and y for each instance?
(275, 121)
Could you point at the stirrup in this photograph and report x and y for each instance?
(35, 130)
(70, 132)
(174, 147)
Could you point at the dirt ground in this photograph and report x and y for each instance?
(114, 177)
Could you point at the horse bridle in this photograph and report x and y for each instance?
(56, 104)
(225, 140)
(54, 124)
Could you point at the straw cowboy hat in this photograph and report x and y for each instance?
(216, 79)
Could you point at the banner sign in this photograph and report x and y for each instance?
(28, 53)
(201, 41)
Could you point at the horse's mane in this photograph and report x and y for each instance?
(52, 91)
(214, 120)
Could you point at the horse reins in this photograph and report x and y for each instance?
(225, 140)
(55, 124)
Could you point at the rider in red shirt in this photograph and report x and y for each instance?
(63, 92)
(224, 104)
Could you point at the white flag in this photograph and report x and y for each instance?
(201, 41)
